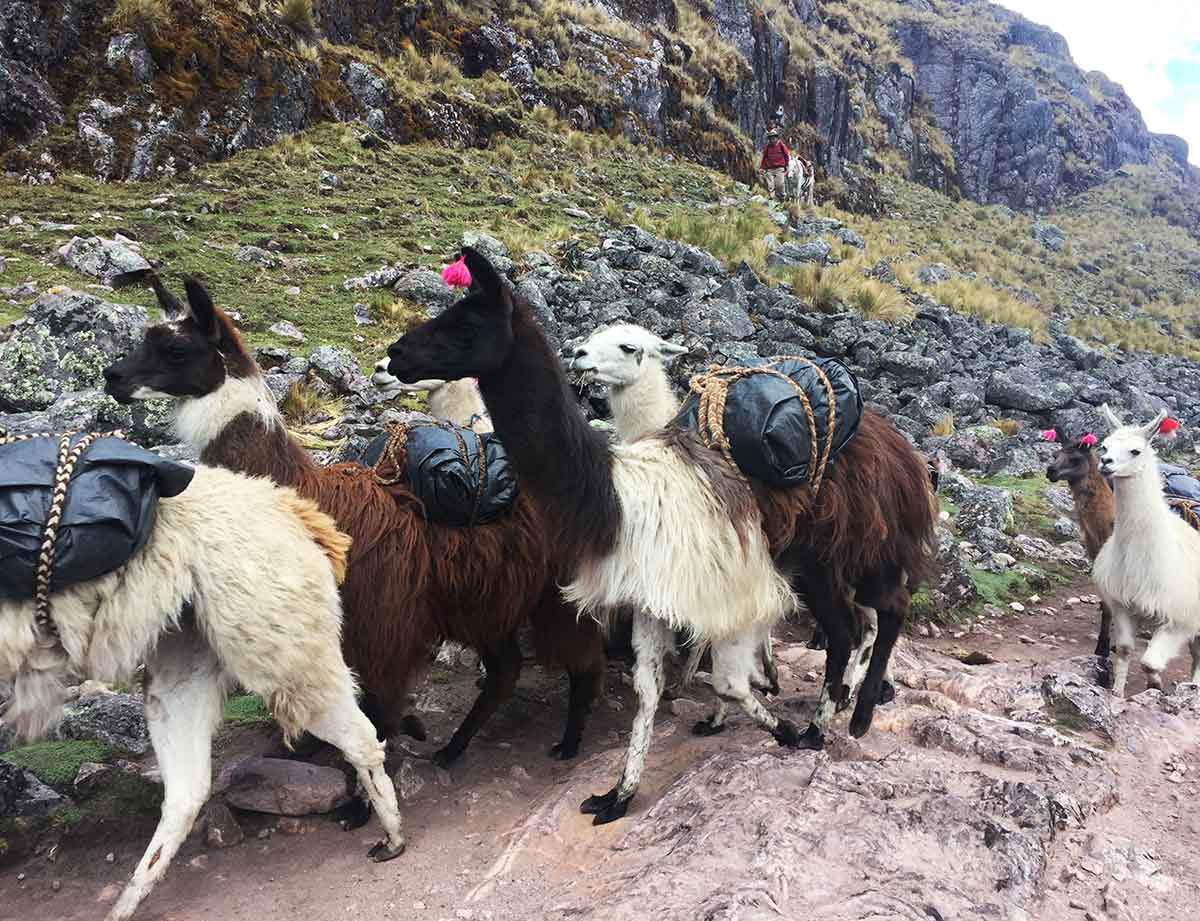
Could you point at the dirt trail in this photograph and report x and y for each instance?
(499, 836)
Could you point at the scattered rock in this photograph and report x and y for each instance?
(221, 827)
(256, 255)
(285, 329)
(1049, 235)
(281, 787)
(117, 720)
(100, 258)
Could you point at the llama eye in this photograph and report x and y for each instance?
(1136, 453)
(629, 349)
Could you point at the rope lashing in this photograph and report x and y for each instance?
(713, 385)
(398, 441)
(1187, 511)
(64, 470)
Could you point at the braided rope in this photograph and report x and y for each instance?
(713, 388)
(398, 439)
(64, 470)
(1187, 511)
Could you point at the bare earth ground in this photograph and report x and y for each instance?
(499, 836)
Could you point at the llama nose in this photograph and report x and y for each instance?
(112, 375)
(382, 365)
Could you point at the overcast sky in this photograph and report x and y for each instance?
(1151, 47)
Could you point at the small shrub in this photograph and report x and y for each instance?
(1009, 427)
(944, 427)
(301, 403)
(298, 15)
(144, 17)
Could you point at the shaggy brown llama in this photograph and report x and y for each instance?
(411, 583)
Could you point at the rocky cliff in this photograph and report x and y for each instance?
(961, 95)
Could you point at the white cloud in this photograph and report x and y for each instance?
(1133, 43)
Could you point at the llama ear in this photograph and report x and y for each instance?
(203, 311)
(669, 350)
(1110, 417)
(1151, 429)
(171, 306)
(484, 276)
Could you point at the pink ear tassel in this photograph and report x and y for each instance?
(1168, 427)
(1088, 440)
(1049, 435)
(457, 275)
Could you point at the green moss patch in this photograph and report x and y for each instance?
(56, 763)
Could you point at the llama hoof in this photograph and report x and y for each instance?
(706, 727)
(786, 734)
(594, 805)
(353, 814)
(444, 757)
(611, 813)
(773, 690)
(412, 727)
(813, 739)
(1104, 673)
(383, 852)
(817, 642)
(564, 751)
(1154, 681)
(887, 693)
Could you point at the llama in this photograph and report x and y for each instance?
(455, 401)
(1150, 567)
(666, 526)
(631, 361)
(1076, 464)
(236, 585)
(411, 583)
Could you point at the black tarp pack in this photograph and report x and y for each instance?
(108, 515)
(765, 422)
(443, 470)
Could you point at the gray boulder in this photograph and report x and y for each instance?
(495, 251)
(117, 720)
(383, 277)
(986, 507)
(426, 288)
(1020, 390)
(795, 254)
(934, 273)
(1049, 235)
(910, 366)
(718, 319)
(973, 448)
(338, 368)
(256, 255)
(100, 258)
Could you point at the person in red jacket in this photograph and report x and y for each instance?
(775, 158)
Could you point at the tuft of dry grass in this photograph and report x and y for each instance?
(145, 17)
(1009, 427)
(944, 427)
(298, 16)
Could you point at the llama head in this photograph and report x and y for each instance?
(470, 339)
(391, 386)
(618, 355)
(1074, 462)
(190, 354)
(1128, 451)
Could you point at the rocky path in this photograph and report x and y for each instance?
(1011, 791)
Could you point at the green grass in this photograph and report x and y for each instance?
(56, 763)
(405, 203)
(247, 710)
(999, 588)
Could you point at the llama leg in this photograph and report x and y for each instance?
(860, 655)
(342, 724)
(652, 641)
(1195, 645)
(770, 669)
(1122, 640)
(586, 688)
(1165, 645)
(839, 623)
(695, 654)
(503, 668)
(1104, 647)
(734, 661)
(184, 695)
(890, 622)
(818, 640)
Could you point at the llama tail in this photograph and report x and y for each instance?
(323, 529)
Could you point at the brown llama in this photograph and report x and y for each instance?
(1078, 465)
(666, 526)
(411, 583)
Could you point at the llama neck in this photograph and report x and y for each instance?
(1140, 506)
(459, 402)
(562, 463)
(645, 405)
(238, 427)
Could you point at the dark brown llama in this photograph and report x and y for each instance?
(665, 525)
(1078, 466)
(411, 583)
